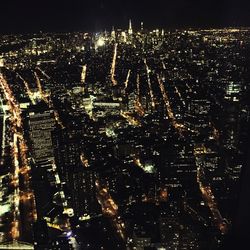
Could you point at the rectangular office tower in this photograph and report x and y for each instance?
(41, 123)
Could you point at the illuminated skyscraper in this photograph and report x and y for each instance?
(142, 26)
(130, 30)
(1, 62)
(113, 35)
(41, 123)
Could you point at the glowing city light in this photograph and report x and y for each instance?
(100, 42)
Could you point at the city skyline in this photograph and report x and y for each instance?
(124, 125)
(137, 136)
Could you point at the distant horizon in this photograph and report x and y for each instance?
(135, 28)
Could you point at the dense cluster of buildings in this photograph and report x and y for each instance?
(131, 139)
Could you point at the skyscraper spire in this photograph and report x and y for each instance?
(113, 33)
(142, 24)
(130, 30)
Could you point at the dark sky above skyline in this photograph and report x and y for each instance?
(19, 16)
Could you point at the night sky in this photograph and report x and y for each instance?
(22, 16)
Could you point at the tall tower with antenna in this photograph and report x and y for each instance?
(113, 35)
(130, 30)
(142, 26)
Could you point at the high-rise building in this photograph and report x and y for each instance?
(67, 155)
(130, 29)
(83, 192)
(113, 34)
(41, 124)
(197, 116)
(74, 169)
(142, 26)
(1, 62)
